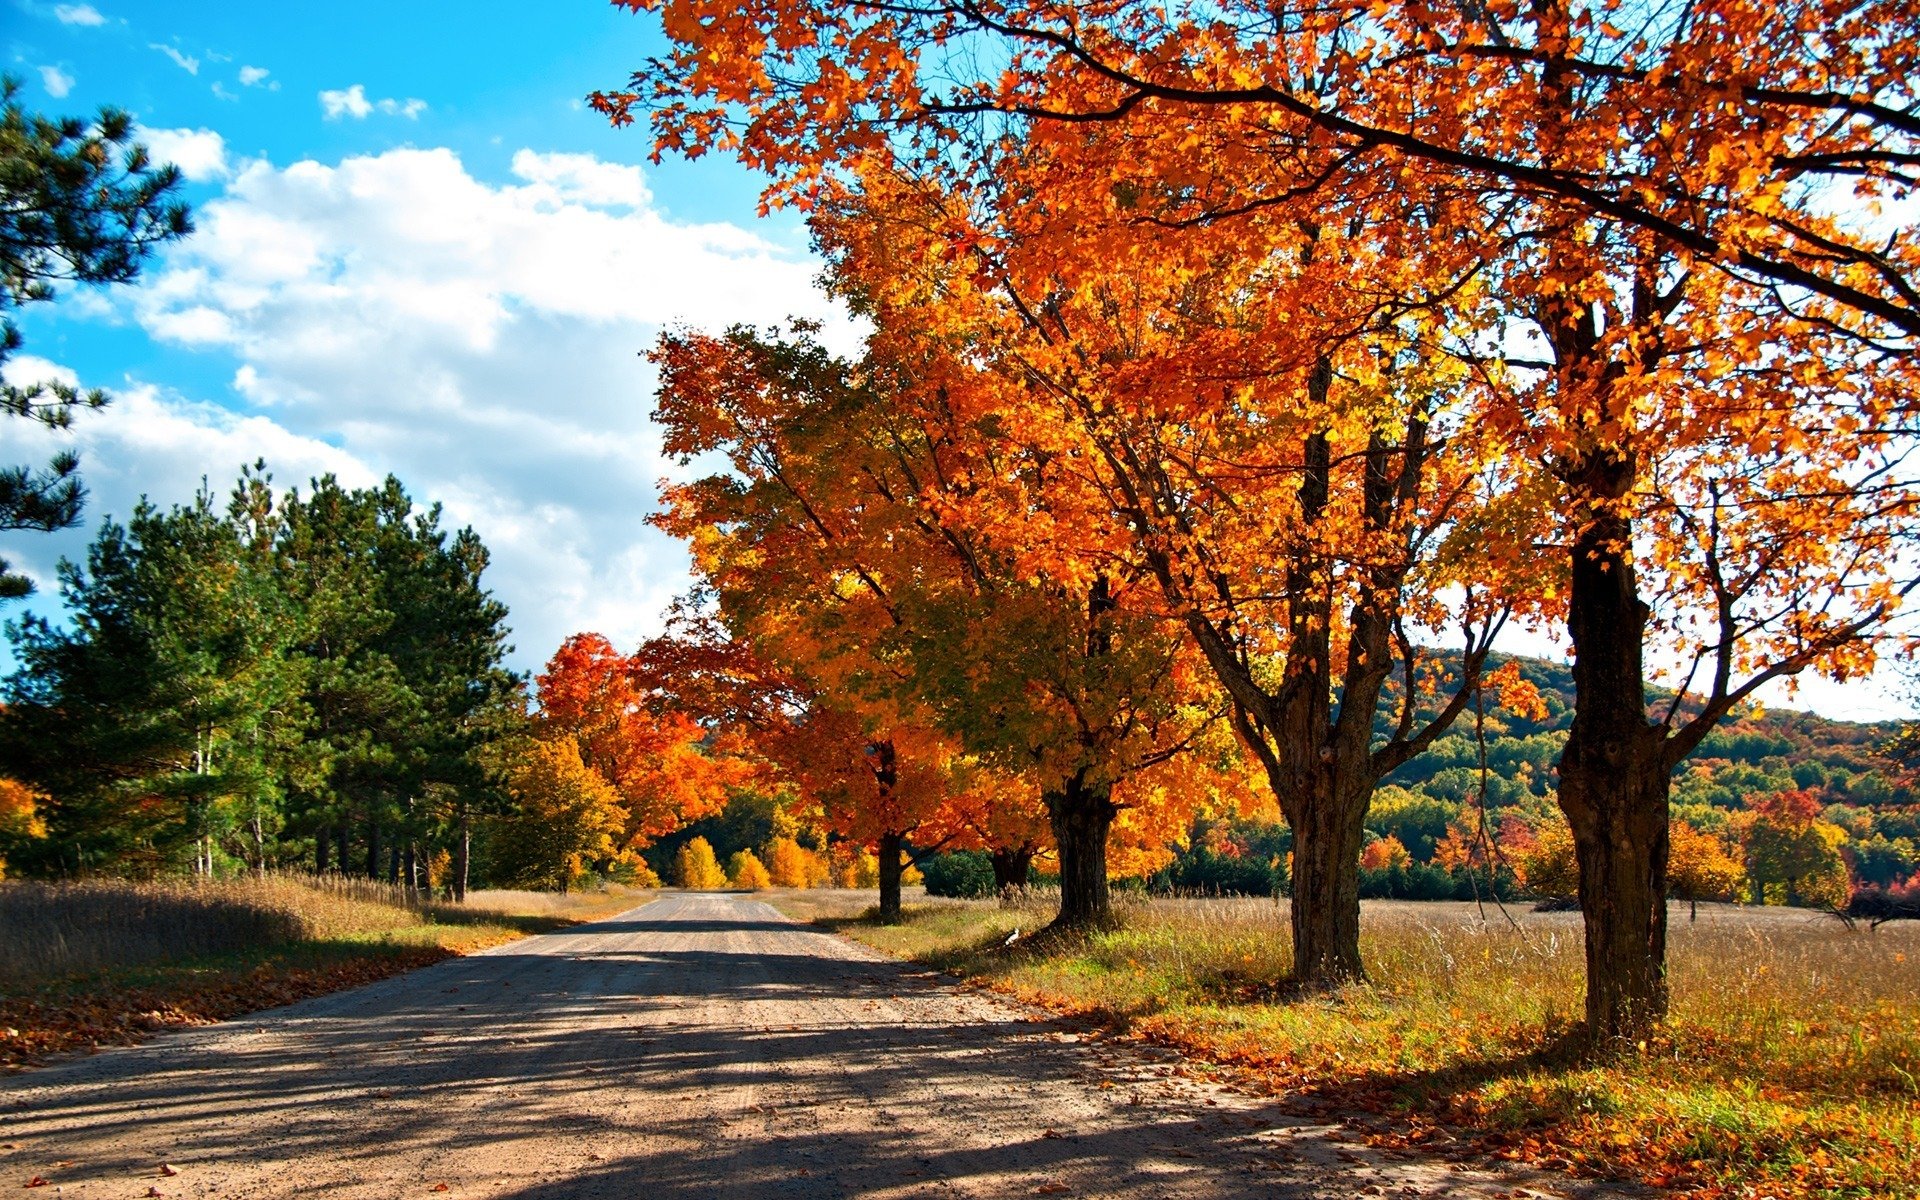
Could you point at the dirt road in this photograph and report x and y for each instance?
(699, 1046)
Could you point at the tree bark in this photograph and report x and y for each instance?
(1614, 780)
(322, 843)
(1081, 815)
(462, 858)
(1325, 908)
(410, 867)
(890, 872)
(373, 850)
(1011, 866)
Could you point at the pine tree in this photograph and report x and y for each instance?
(79, 203)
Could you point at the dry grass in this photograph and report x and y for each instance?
(1789, 1066)
(84, 965)
(49, 930)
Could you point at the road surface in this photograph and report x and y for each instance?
(699, 1046)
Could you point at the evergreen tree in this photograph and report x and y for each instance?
(79, 203)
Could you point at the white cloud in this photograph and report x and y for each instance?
(481, 341)
(255, 76)
(78, 14)
(186, 63)
(156, 443)
(57, 82)
(200, 154)
(353, 102)
(584, 178)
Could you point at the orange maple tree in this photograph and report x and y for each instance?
(866, 475)
(666, 768)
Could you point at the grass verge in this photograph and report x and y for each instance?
(110, 963)
(1788, 1068)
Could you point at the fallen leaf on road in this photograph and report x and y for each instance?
(1053, 1133)
(1050, 1189)
(36, 1181)
(441, 1187)
(169, 1170)
(154, 1191)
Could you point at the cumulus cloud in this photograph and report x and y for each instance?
(481, 340)
(201, 154)
(353, 102)
(78, 14)
(156, 443)
(57, 82)
(185, 62)
(255, 77)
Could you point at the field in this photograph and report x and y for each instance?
(106, 962)
(1789, 1066)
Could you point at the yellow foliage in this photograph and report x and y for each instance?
(746, 871)
(792, 865)
(1548, 867)
(629, 868)
(1384, 853)
(20, 813)
(566, 815)
(1700, 866)
(695, 867)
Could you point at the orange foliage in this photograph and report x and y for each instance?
(1383, 853)
(666, 768)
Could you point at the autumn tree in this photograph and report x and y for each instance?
(1792, 855)
(565, 816)
(1652, 204)
(1701, 866)
(745, 870)
(696, 869)
(867, 474)
(668, 769)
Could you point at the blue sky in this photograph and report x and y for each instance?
(419, 253)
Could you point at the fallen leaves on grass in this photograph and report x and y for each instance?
(56, 1020)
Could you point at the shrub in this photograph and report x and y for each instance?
(792, 865)
(695, 867)
(746, 871)
(964, 874)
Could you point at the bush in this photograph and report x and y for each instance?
(794, 866)
(1424, 881)
(746, 871)
(696, 868)
(1201, 871)
(964, 874)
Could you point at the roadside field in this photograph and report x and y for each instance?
(1790, 1066)
(109, 962)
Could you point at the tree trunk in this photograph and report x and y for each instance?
(1325, 878)
(322, 843)
(1011, 866)
(373, 850)
(890, 872)
(462, 858)
(1613, 777)
(393, 863)
(1081, 816)
(410, 867)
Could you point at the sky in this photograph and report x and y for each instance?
(419, 253)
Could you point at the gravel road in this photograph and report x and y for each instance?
(698, 1046)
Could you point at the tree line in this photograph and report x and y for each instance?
(286, 677)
